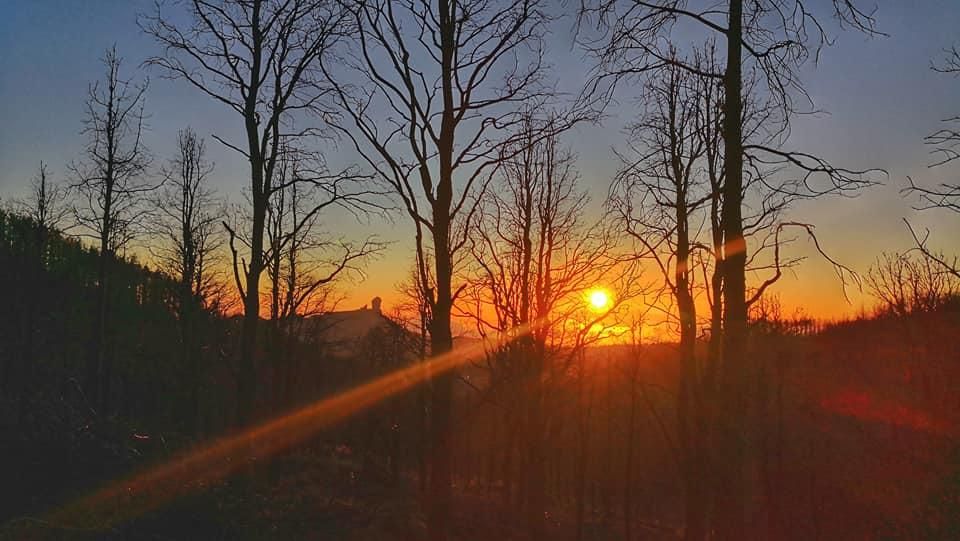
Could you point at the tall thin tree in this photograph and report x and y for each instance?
(534, 258)
(110, 184)
(777, 37)
(304, 261)
(187, 217)
(658, 198)
(432, 88)
(260, 59)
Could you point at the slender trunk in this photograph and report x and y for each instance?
(441, 399)
(628, 469)
(275, 338)
(714, 346)
(189, 365)
(533, 352)
(190, 353)
(97, 373)
(536, 474)
(734, 495)
(247, 384)
(251, 311)
(583, 452)
(95, 363)
(423, 425)
(291, 368)
(95, 370)
(440, 449)
(441, 339)
(688, 400)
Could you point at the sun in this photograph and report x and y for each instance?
(599, 299)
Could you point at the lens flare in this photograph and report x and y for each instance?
(125, 499)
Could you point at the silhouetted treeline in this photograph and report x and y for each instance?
(57, 440)
(51, 282)
(856, 425)
(856, 420)
(49, 419)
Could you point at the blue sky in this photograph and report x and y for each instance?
(881, 96)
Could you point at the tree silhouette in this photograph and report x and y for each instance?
(303, 261)
(533, 260)
(261, 60)
(111, 187)
(657, 198)
(945, 195)
(186, 221)
(906, 284)
(48, 202)
(776, 36)
(440, 85)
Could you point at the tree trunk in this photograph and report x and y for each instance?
(441, 339)
(251, 303)
(189, 333)
(688, 400)
(585, 402)
(536, 461)
(441, 399)
(422, 419)
(734, 433)
(438, 512)
(628, 469)
(260, 194)
(95, 386)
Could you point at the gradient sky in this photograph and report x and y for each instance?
(880, 94)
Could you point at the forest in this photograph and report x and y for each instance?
(193, 346)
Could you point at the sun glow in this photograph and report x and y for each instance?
(599, 299)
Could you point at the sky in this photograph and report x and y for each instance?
(880, 96)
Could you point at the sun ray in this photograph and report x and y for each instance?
(140, 493)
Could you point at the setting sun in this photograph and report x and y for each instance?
(599, 299)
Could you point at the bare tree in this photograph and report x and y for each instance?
(47, 206)
(906, 284)
(414, 312)
(47, 203)
(438, 86)
(111, 187)
(259, 59)
(945, 195)
(303, 262)
(776, 36)
(187, 214)
(186, 220)
(534, 259)
(669, 186)
(657, 198)
(303, 258)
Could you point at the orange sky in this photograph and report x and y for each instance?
(813, 286)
